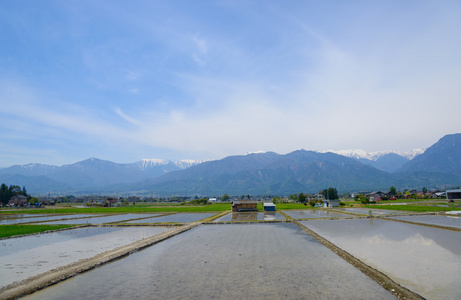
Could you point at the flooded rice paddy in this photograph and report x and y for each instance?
(101, 220)
(23, 257)
(10, 220)
(425, 260)
(17, 216)
(448, 221)
(374, 212)
(177, 218)
(314, 213)
(251, 261)
(230, 261)
(251, 216)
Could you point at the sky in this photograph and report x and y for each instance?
(127, 80)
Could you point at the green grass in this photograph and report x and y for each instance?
(282, 206)
(11, 230)
(215, 207)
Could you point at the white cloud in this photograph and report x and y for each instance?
(127, 118)
(201, 45)
(321, 85)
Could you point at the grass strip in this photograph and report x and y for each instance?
(215, 207)
(12, 230)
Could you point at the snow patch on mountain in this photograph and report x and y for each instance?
(182, 164)
(146, 163)
(187, 163)
(361, 154)
(35, 166)
(256, 152)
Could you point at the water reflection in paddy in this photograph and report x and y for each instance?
(251, 216)
(26, 219)
(434, 220)
(375, 212)
(16, 216)
(101, 220)
(245, 261)
(23, 257)
(179, 218)
(426, 260)
(314, 213)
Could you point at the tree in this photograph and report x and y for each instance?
(393, 189)
(302, 198)
(4, 194)
(424, 190)
(225, 197)
(364, 199)
(330, 193)
(15, 190)
(24, 192)
(34, 200)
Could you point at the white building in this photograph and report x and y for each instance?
(330, 203)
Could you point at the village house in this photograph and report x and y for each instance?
(375, 196)
(269, 206)
(331, 203)
(18, 200)
(453, 195)
(244, 205)
(319, 196)
(392, 195)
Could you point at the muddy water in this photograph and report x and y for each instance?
(180, 218)
(23, 257)
(314, 213)
(251, 216)
(433, 220)
(425, 260)
(249, 261)
(101, 220)
(375, 212)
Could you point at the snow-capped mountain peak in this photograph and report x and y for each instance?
(256, 152)
(187, 163)
(361, 154)
(146, 163)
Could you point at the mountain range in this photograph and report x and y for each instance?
(388, 161)
(260, 173)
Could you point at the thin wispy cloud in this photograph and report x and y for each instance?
(127, 118)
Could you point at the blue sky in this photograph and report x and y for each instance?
(126, 80)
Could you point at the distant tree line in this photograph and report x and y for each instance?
(203, 201)
(13, 190)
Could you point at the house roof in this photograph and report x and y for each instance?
(268, 204)
(244, 202)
